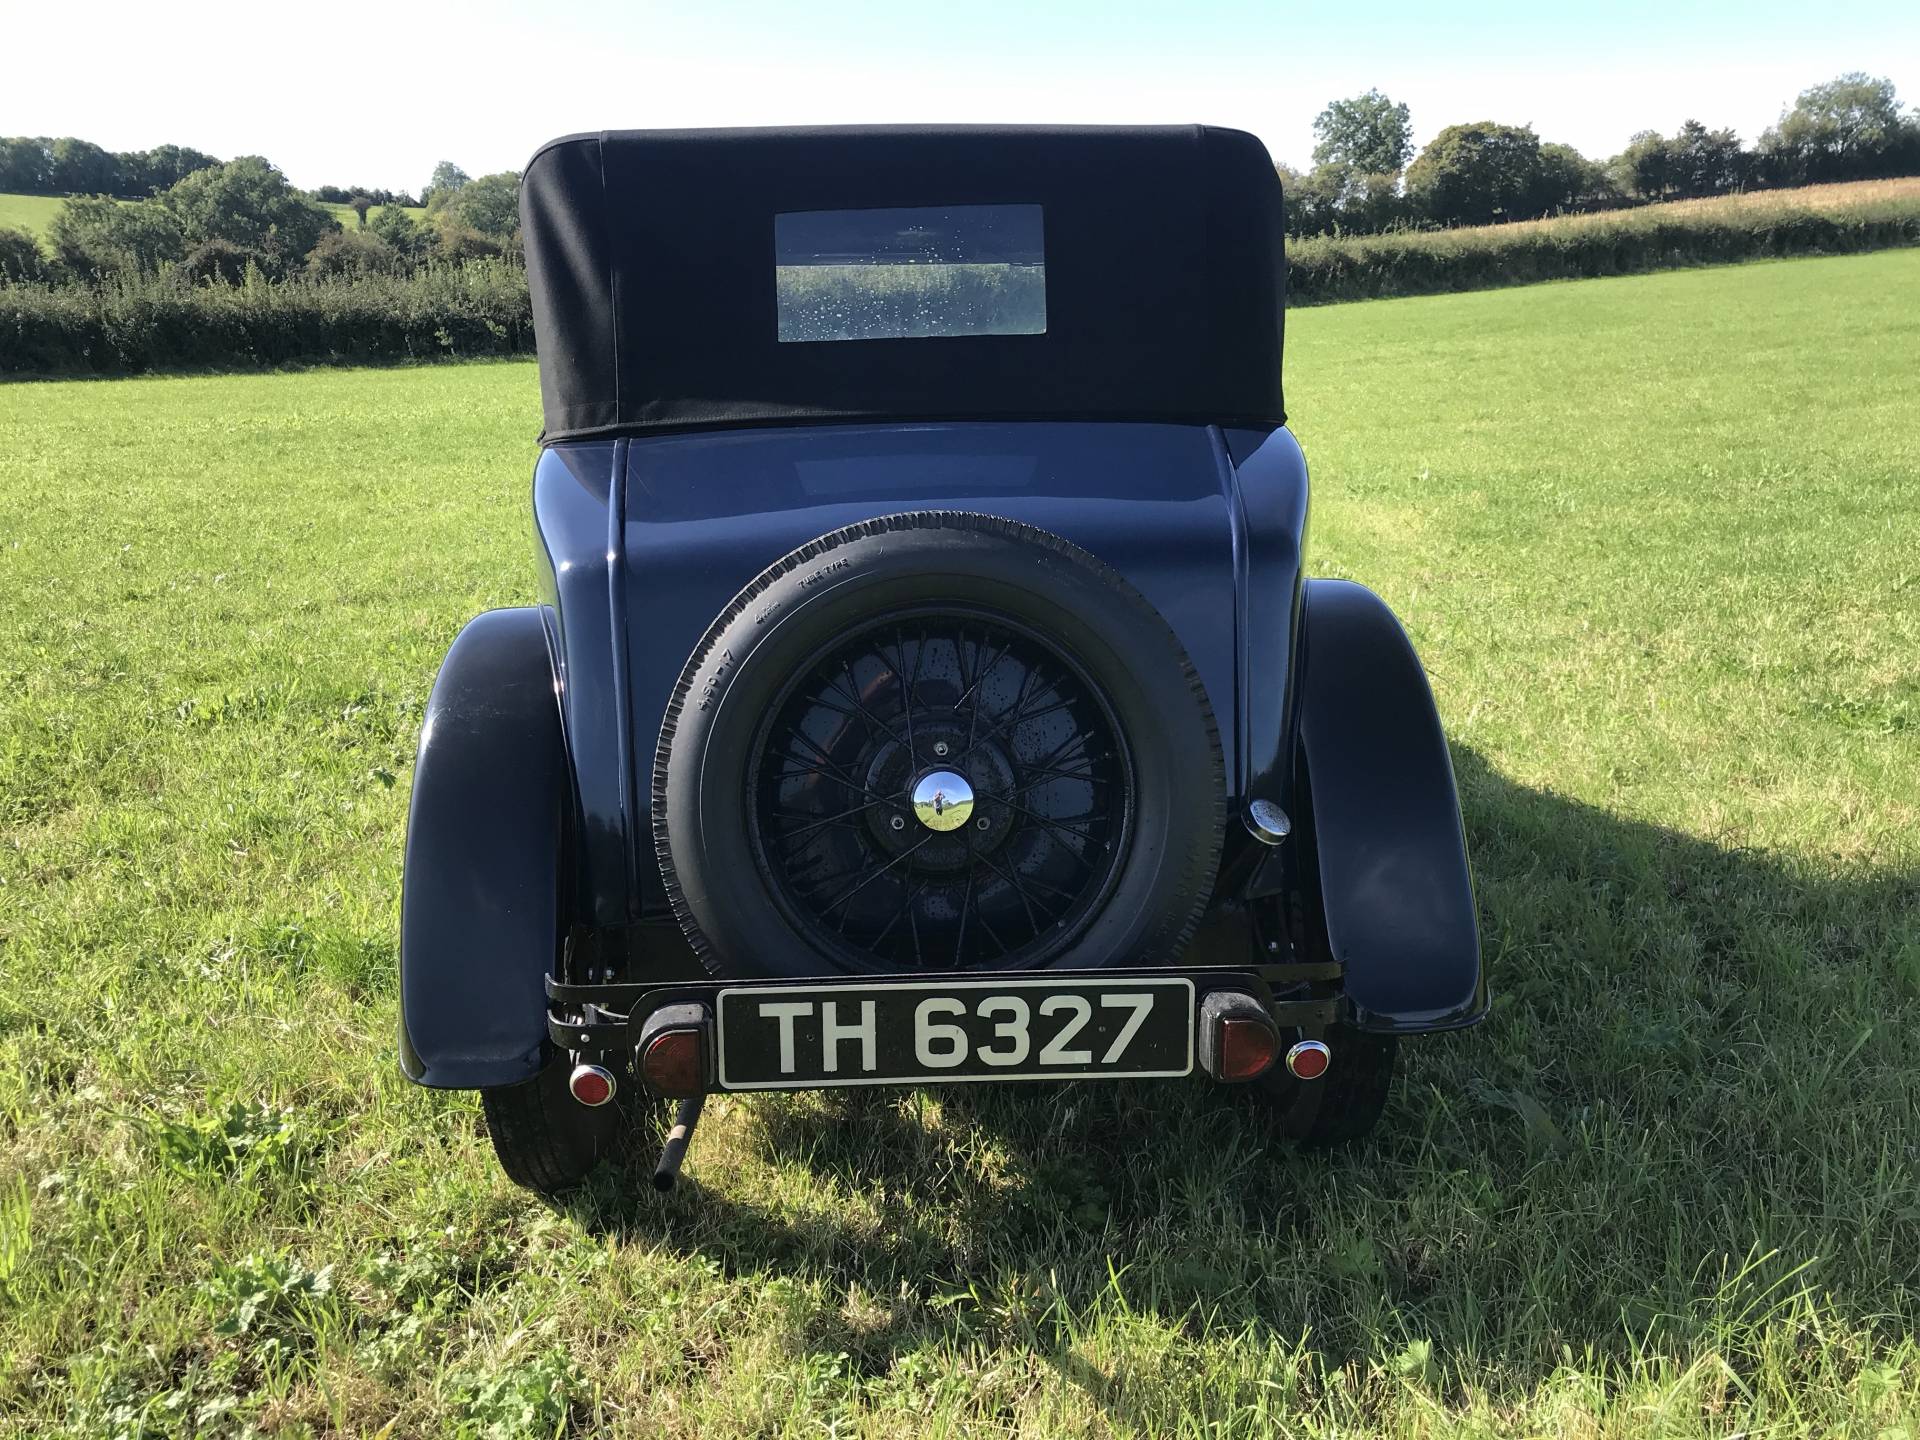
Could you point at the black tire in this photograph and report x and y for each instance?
(1075, 623)
(546, 1140)
(1344, 1104)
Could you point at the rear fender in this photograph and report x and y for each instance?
(480, 899)
(1385, 848)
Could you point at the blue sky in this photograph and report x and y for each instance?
(354, 92)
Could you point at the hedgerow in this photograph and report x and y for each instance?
(480, 307)
(168, 323)
(1368, 267)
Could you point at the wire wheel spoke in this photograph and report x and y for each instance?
(876, 878)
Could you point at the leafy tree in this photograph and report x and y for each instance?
(1477, 173)
(163, 167)
(1567, 180)
(360, 204)
(82, 168)
(490, 205)
(26, 165)
(248, 204)
(1706, 162)
(1309, 210)
(1645, 168)
(1366, 135)
(401, 235)
(21, 259)
(1850, 127)
(95, 237)
(448, 178)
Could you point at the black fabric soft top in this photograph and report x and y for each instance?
(650, 256)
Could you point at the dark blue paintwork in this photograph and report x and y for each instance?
(481, 912)
(643, 541)
(1392, 857)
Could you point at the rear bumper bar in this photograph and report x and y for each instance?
(598, 1022)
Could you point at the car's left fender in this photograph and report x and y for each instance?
(481, 911)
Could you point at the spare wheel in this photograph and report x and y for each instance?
(937, 742)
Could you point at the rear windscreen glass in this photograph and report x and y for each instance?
(909, 273)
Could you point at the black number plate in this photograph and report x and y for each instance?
(801, 1037)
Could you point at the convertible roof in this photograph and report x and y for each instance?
(650, 256)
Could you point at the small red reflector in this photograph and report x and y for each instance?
(591, 1085)
(1247, 1047)
(675, 1063)
(1309, 1059)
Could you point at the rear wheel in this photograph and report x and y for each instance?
(938, 742)
(545, 1139)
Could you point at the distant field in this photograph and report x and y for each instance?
(1850, 195)
(344, 213)
(1655, 540)
(34, 213)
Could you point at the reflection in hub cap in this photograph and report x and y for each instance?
(943, 800)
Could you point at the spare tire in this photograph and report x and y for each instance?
(937, 742)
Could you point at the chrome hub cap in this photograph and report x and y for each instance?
(943, 800)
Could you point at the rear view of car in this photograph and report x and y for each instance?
(926, 688)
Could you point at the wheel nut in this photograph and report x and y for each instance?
(981, 823)
(898, 822)
(939, 747)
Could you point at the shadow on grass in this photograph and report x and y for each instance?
(1658, 1099)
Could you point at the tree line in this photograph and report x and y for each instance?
(200, 219)
(1365, 178)
(223, 220)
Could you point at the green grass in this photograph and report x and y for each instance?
(31, 213)
(348, 220)
(1656, 541)
(34, 213)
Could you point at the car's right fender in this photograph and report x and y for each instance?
(1384, 845)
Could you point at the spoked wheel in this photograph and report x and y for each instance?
(937, 742)
(943, 789)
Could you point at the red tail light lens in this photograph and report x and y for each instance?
(674, 1062)
(1247, 1047)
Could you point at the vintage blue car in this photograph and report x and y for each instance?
(926, 687)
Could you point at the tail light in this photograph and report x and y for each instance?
(673, 1051)
(1238, 1039)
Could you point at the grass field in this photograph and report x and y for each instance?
(31, 213)
(34, 213)
(1656, 539)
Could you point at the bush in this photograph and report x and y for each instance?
(217, 260)
(456, 243)
(353, 252)
(21, 259)
(133, 325)
(95, 237)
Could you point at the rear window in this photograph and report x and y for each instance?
(910, 273)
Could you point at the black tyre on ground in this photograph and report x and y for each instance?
(546, 1140)
(938, 741)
